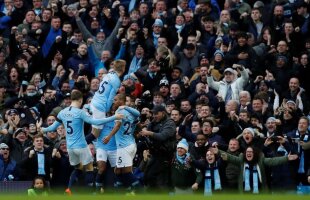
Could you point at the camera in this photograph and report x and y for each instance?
(22, 103)
(237, 66)
(145, 143)
(296, 140)
(164, 64)
(274, 138)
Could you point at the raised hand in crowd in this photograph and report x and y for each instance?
(187, 119)
(291, 157)
(56, 153)
(115, 3)
(58, 70)
(31, 153)
(107, 12)
(71, 74)
(269, 76)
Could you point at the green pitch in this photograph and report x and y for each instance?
(161, 197)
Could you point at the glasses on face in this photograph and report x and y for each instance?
(5, 149)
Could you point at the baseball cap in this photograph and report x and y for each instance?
(229, 70)
(13, 111)
(4, 146)
(67, 95)
(158, 108)
(18, 131)
(291, 102)
(202, 56)
(163, 82)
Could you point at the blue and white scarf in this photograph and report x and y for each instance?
(156, 36)
(282, 150)
(301, 167)
(208, 180)
(134, 65)
(182, 159)
(256, 178)
(41, 161)
(179, 27)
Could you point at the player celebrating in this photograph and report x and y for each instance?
(103, 98)
(104, 152)
(125, 142)
(79, 154)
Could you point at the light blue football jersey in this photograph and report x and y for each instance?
(111, 145)
(73, 119)
(125, 135)
(108, 88)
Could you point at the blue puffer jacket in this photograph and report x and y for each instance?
(8, 170)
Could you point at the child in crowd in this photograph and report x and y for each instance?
(38, 188)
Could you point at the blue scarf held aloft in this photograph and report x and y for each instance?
(49, 41)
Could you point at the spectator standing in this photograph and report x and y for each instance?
(161, 134)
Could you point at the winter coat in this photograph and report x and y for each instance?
(237, 85)
(262, 162)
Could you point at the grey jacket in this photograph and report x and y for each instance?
(97, 45)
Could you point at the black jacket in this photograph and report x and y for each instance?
(163, 141)
(29, 166)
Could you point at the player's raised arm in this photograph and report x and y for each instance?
(87, 118)
(52, 127)
(133, 111)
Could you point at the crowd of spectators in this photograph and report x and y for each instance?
(228, 79)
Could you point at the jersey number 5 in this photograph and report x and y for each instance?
(102, 88)
(69, 127)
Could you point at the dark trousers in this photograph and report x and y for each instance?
(157, 174)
